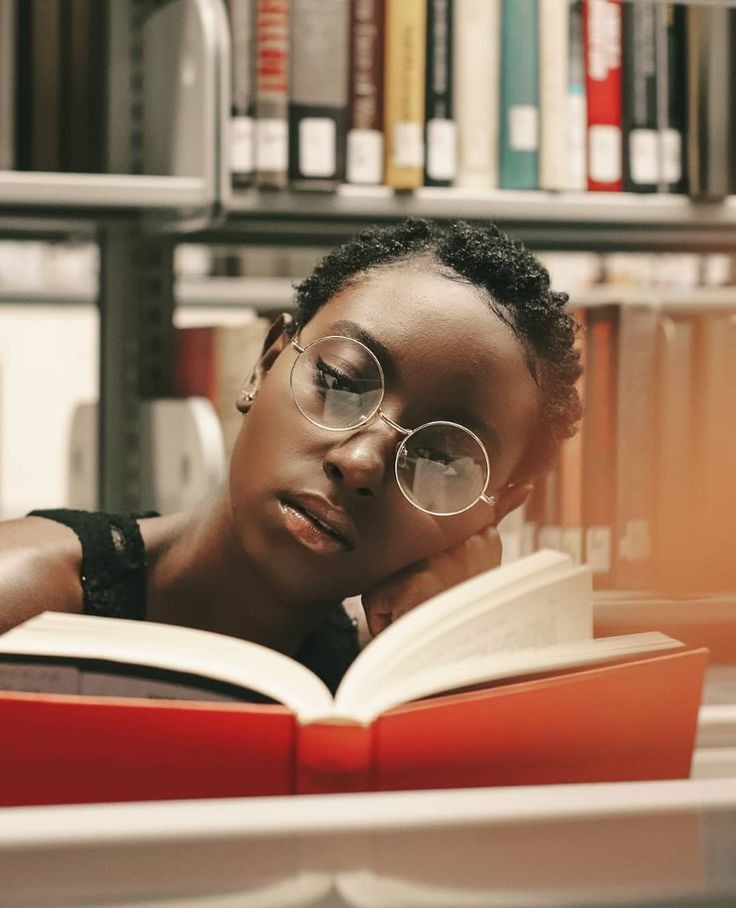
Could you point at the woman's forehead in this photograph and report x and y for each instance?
(421, 316)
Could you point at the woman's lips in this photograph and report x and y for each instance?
(313, 525)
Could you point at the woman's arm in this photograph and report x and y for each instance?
(39, 570)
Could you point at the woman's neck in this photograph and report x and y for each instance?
(199, 576)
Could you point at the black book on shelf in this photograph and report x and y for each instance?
(83, 145)
(318, 92)
(671, 96)
(241, 15)
(441, 158)
(639, 98)
(710, 108)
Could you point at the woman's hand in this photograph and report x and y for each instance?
(424, 579)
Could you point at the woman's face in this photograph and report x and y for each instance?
(451, 358)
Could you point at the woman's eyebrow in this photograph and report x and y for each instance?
(359, 333)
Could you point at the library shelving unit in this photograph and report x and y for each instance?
(155, 190)
(169, 182)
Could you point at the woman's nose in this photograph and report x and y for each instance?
(362, 462)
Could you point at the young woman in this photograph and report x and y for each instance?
(427, 376)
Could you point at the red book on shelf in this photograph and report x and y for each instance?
(602, 46)
(437, 700)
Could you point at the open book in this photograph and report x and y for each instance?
(495, 681)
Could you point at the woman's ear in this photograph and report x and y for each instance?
(510, 497)
(275, 341)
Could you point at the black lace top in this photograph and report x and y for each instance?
(113, 575)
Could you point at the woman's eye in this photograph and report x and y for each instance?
(436, 456)
(331, 379)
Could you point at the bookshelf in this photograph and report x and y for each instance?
(163, 192)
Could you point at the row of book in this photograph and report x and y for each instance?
(53, 85)
(645, 493)
(511, 94)
(481, 94)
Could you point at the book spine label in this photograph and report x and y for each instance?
(406, 26)
(441, 139)
(476, 62)
(333, 758)
(365, 152)
(639, 98)
(602, 41)
(554, 109)
(519, 113)
(272, 92)
(318, 92)
(242, 124)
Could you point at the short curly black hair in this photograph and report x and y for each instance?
(519, 292)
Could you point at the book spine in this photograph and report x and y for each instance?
(519, 104)
(571, 469)
(406, 27)
(550, 532)
(709, 55)
(599, 444)
(577, 117)
(333, 758)
(242, 109)
(636, 464)
(639, 97)
(7, 83)
(46, 19)
(554, 108)
(441, 132)
(365, 151)
(674, 428)
(272, 93)
(195, 363)
(602, 42)
(318, 104)
(671, 98)
(476, 75)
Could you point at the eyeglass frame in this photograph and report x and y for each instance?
(404, 432)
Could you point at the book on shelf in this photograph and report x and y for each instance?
(577, 114)
(570, 469)
(602, 43)
(241, 16)
(272, 93)
(518, 166)
(636, 468)
(318, 92)
(639, 75)
(7, 83)
(599, 443)
(494, 682)
(671, 95)
(476, 73)
(554, 94)
(404, 92)
(213, 361)
(710, 51)
(365, 142)
(440, 166)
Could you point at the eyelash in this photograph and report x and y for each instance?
(340, 377)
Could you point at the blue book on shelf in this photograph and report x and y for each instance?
(519, 107)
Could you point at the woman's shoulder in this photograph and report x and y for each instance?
(39, 569)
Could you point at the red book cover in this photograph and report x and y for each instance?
(602, 49)
(629, 721)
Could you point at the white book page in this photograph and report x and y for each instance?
(165, 646)
(437, 618)
(542, 613)
(528, 660)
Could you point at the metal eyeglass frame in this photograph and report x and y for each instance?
(405, 433)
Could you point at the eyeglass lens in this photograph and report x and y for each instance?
(337, 383)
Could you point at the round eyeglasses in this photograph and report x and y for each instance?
(441, 467)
